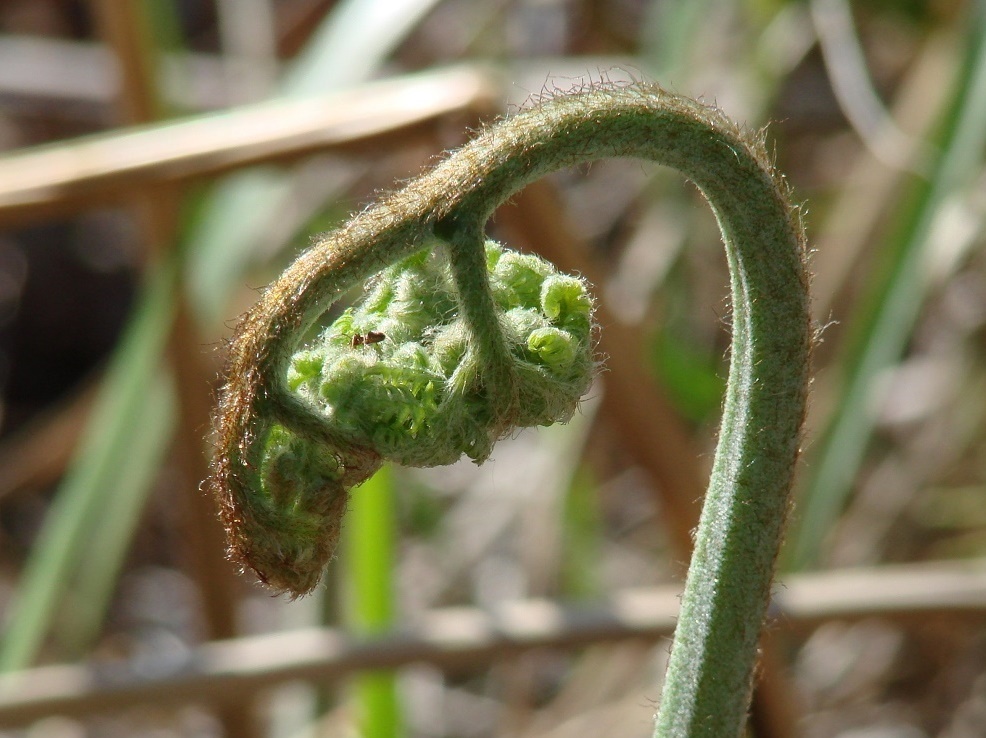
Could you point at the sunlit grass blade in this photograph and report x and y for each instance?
(881, 337)
(104, 471)
(693, 379)
(583, 537)
(369, 559)
(112, 534)
(351, 44)
(673, 30)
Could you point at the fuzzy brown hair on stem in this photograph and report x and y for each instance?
(472, 341)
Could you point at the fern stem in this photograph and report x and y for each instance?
(728, 585)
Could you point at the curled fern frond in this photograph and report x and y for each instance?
(397, 378)
(459, 341)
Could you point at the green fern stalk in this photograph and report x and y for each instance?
(458, 342)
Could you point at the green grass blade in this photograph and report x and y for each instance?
(674, 28)
(103, 472)
(583, 537)
(369, 554)
(142, 455)
(883, 337)
(352, 43)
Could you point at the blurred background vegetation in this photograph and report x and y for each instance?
(139, 219)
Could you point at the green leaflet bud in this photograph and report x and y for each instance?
(565, 302)
(448, 347)
(516, 279)
(520, 323)
(305, 366)
(556, 348)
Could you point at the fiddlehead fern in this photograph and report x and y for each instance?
(509, 340)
